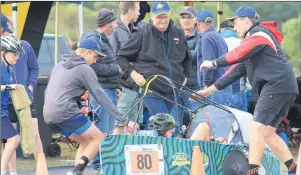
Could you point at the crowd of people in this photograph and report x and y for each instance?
(113, 61)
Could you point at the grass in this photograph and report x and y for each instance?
(67, 153)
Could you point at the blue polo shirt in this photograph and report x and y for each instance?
(5, 79)
(212, 45)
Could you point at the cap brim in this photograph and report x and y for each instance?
(159, 13)
(187, 12)
(102, 55)
(7, 30)
(232, 18)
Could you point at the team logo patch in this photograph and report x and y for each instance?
(159, 6)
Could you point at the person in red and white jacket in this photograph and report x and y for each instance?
(261, 58)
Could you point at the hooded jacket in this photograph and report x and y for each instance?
(261, 58)
(118, 39)
(69, 80)
(153, 52)
(106, 69)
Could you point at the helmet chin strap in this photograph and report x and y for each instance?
(5, 58)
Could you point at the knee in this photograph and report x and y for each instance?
(257, 127)
(268, 132)
(15, 140)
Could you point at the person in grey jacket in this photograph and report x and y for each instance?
(188, 24)
(129, 13)
(70, 79)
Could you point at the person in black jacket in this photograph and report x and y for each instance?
(261, 58)
(107, 72)
(158, 47)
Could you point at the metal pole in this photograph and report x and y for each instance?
(56, 32)
(80, 19)
(15, 18)
(219, 13)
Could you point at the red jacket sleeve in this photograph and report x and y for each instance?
(248, 48)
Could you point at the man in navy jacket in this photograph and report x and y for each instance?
(211, 46)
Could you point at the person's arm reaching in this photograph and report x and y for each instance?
(248, 49)
(234, 73)
(89, 81)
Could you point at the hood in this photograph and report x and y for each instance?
(88, 33)
(72, 60)
(228, 33)
(272, 26)
(123, 26)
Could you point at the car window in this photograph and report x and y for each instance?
(47, 51)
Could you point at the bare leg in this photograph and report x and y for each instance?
(38, 142)
(201, 132)
(256, 142)
(13, 160)
(91, 138)
(277, 145)
(10, 148)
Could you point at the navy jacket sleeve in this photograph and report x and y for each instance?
(234, 73)
(208, 53)
(106, 70)
(248, 48)
(33, 67)
(129, 53)
(102, 68)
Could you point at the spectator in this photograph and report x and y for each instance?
(212, 45)
(11, 48)
(188, 24)
(261, 58)
(69, 80)
(26, 73)
(129, 13)
(109, 78)
(158, 47)
(239, 91)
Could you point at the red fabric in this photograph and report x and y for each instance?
(272, 26)
(246, 46)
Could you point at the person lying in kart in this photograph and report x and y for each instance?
(165, 124)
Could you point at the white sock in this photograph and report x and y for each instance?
(4, 172)
(13, 173)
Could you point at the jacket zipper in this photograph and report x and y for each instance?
(167, 55)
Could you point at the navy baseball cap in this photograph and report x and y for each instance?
(205, 16)
(188, 10)
(160, 7)
(226, 24)
(91, 44)
(244, 11)
(4, 23)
